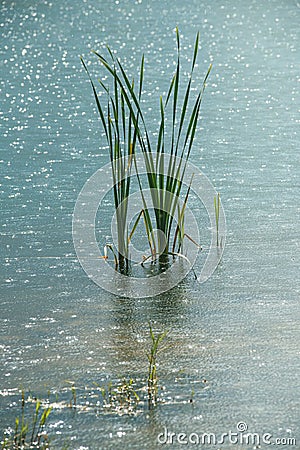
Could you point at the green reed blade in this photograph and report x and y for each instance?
(141, 77)
(160, 141)
(187, 93)
(181, 213)
(170, 90)
(196, 48)
(96, 98)
(135, 225)
(123, 116)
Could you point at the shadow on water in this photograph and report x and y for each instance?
(165, 310)
(131, 318)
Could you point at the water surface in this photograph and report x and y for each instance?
(234, 340)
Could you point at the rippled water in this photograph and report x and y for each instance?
(240, 330)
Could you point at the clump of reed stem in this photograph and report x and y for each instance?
(126, 130)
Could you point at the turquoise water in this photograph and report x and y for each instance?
(234, 340)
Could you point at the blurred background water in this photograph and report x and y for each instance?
(240, 330)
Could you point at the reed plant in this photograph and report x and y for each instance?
(28, 433)
(73, 400)
(217, 215)
(165, 159)
(121, 397)
(120, 126)
(152, 355)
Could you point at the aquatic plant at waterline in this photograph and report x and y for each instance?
(28, 433)
(152, 369)
(126, 132)
(35, 427)
(121, 398)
